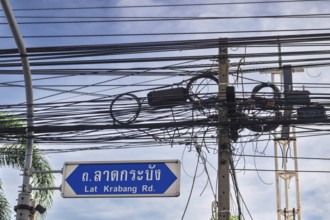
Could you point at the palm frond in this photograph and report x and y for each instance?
(4, 205)
(43, 197)
(12, 154)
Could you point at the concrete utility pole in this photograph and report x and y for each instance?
(24, 208)
(223, 135)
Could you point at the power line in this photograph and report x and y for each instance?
(272, 170)
(170, 33)
(165, 5)
(163, 46)
(314, 15)
(158, 19)
(281, 157)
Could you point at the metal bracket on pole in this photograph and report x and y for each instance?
(46, 171)
(27, 172)
(45, 188)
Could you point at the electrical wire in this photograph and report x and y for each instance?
(165, 5)
(168, 33)
(166, 18)
(191, 190)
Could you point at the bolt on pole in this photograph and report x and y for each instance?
(23, 207)
(223, 135)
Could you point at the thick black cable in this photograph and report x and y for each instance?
(169, 33)
(177, 45)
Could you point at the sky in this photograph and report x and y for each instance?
(257, 188)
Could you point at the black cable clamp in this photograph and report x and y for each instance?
(25, 207)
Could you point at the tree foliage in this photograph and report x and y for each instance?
(4, 205)
(12, 154)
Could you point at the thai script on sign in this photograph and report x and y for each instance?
(149, 174)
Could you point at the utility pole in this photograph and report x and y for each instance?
(24, 208)
(284, 176)
(223, 135)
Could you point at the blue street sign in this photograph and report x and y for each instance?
(121, 179)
